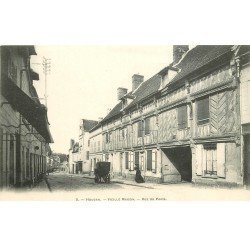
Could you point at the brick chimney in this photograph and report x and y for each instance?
(178, 51)
(121, 92)
(72, 142)
(136, 81)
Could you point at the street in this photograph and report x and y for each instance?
(61, 186)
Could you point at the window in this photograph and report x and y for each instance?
(147, 126)
(140, 128)
(154, 161)
(142, 162)
(202, 111)
(107, 137)
(149, 160)
(182, 117)
(98, 146)
(88, 143)
(131, 161)
(210, 156)
(126, 160)
(87, 155)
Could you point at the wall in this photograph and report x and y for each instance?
(33, 147)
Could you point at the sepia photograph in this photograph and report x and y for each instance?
(121, 123)
(114, 134)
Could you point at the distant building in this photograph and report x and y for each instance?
(24, 129)
(79, 159)
(189, 122)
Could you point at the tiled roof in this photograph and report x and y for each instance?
(88, 124)
(98, 125)
(146, 89)
(198, 57)
(115, 111)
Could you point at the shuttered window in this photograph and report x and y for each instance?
(182, 117)
(149, 160)
(142, 162)
(154, 161)
(147, 126)
(131, 160)
(140, 128)
(126, 161)
(202, 111)
(210, 155)
(87, 155)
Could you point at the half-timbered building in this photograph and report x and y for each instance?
(189, 122)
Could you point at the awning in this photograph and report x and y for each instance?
(33, 112)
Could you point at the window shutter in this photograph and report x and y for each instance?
(182, 117)
(149, 160)
(132, 161)
(126, 160)
(221, 159)
(198, 159)
(203, 111)
(147, 126)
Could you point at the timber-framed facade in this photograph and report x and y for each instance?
(189, 122)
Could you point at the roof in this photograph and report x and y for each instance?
(147, 88)
(88, 124)
(198, 57)
(144, 90)
(115, 111)
(98, 125)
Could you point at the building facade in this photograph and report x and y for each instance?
(189, 122)
(79, 152)
(24, 130)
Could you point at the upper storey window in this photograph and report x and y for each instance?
(202, 111)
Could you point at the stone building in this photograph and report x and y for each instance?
(24, 130)
(189, 122)
(79, 155)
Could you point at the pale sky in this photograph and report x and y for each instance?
(84, 80)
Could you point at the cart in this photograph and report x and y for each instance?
(101, 172)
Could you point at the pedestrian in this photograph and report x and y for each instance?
(138, 176)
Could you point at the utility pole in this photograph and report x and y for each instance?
(46, 71)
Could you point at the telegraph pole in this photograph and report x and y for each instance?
(46, 71)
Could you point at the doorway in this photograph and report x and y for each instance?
(181, 159)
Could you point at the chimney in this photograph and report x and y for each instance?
(72, 142)
(121, 92)
(178, 51)
(136, 81)
(100, 119)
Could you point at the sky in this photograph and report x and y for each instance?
(84, 79)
